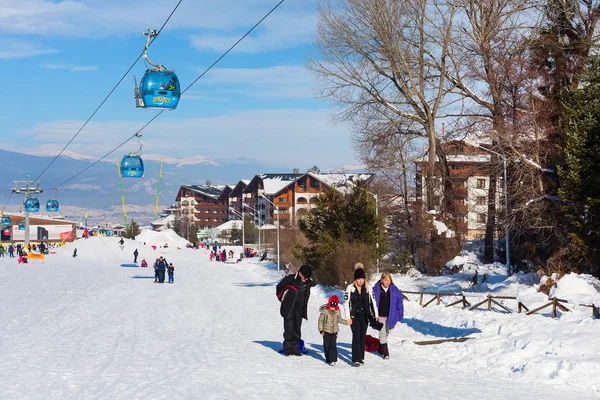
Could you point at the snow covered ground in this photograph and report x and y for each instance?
(97, 327)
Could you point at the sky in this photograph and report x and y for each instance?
(259, 102)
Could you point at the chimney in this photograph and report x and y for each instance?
(208, 182)
(296, 170)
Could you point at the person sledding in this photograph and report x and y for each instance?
(293, 292)
(144, 263)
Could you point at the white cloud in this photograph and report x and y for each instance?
(281, 82)
(280, 31)
(13, 48)
(277, 136)
(69, 67)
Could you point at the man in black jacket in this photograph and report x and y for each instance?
(293, 292)
(159, 267)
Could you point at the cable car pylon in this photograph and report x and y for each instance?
(30, 189)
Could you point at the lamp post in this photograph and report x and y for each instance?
(506, 230)
(278, 225)
(243, 235)
(257, 221)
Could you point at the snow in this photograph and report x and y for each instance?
(149, 238)
(579, 289)
(96, 326)
(443, 229)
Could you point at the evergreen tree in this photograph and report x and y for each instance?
(580, 190)
(132, 230)
(235, 234)
(342, 222)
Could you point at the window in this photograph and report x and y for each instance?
(185, 203)
(302, 200)
(481, 200)
(315, 184)
(481, 218)
(480, 183)
(282, 200)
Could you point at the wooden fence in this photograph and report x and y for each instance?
(491, 301)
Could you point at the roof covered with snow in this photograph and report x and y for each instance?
(213, 191)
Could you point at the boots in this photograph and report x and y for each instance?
(384, 351)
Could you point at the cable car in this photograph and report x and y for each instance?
(159, 87)
(32, 204)
(6, 221)
(21, 226)
(52, 205)
(132, 166)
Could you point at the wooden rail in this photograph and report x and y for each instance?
(492, 301)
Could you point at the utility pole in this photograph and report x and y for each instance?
(30, 189)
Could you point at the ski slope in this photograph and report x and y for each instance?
(97, 327)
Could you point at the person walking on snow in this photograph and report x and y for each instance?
(171, 272)
(1, 250)
(388, 300)
(135, 256)
(329, 326)
(359, 305)
(159, 267)
(11, 251)
(293, 292)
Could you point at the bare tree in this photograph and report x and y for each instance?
(487, 63)
(384, 63)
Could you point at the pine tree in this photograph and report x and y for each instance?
(132, 230)
(580, 191)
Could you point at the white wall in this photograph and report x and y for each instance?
(54, 232)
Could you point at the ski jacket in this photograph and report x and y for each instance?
(396, 304)
(287, 293)
(330, 320)
(170, 270)
(371, 310)
(160, 264)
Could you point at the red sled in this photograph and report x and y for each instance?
(371, 344)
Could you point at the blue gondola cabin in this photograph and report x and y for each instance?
(132, 167)
(158, 89)
(32, 204)
(52, 205)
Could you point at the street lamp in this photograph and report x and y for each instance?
(243, 234)
(258, 220)
(349, 183)
(278, 225)
(506, 230)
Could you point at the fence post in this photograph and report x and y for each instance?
(489, 302)
(554, 302)
(421, 299)
(438, 299)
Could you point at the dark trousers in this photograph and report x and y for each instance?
(359, 334)
(134, 258)
(161, 275)
(292, 332)
(330, 347)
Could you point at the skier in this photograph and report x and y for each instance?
(388, 300)
(135, 256)
(359, 305)
(159, 267)
(171, 272)
(293, 292)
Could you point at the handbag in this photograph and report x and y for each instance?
(373, 323)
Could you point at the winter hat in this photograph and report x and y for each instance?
(333, 301)
(306, 271)
(359, 273)
(359, 265)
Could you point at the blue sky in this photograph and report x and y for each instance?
(62, 57)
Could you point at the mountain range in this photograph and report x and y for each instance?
(97, 190)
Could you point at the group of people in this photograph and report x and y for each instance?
(160, 266)
(380, 307)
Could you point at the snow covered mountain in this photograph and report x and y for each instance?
(98, 187)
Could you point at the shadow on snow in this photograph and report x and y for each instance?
(142, 277)
(129, 265)
(437, 330)
(255, 284)
(315, 350)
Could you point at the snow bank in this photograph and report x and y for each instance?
(159, 239)
(578, 289)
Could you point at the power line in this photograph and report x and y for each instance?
(109, 94)
(161, 111)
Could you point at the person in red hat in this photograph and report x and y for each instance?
(329, 322)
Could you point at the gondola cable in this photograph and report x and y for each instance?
(135, 135)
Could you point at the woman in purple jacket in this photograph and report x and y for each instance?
(391, 309)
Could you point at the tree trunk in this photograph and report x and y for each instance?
(490, 223)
